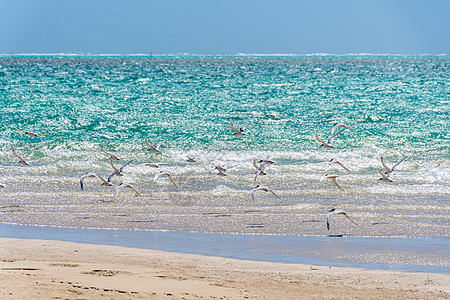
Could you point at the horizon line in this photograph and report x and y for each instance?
(185, 54)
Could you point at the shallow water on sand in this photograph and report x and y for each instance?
(406, 254)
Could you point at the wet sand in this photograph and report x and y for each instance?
(377, 215)
(42, 269)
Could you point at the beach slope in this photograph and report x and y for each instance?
(44, 269)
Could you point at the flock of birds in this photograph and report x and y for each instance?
(260, 166)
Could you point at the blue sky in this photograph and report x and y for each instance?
(225, 27)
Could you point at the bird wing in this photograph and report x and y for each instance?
(260, 170)
(274, 194)
(122, 167)
(158, 145)
(151, 147)
(19, 130)
(340, 125)
(254, 194)
(112, 165)
(82, 182)
(234, 128)
(110, 154)
(15, 153)
(345, 214)
(382, 174)
(171, 179)
(137, 193)
(335, 182)
(112, 175)
(385, 166)
(101, 178)
(334, 135)
(329, 215)
(396, 165)
(156, 177)
(319, 140)
(254, 164)
(342, 165)
(104, 151)
(117, 191)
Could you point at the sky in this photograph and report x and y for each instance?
(225, 27)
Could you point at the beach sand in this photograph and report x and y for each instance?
(44, 269)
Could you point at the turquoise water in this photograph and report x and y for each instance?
(397, 105)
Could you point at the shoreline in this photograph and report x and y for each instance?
(44, 269)
(416, 254)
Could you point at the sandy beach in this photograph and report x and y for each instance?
(44, 269)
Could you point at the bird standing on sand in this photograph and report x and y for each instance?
(32, 134)
(126, 186)
(333, 178)
(240, 131)
(92, 175)
(110, 154)
(154, 149)
(264, 189)
(337, 212)
(165, 174)
(21, 160)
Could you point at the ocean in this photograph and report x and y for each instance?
(397, 106)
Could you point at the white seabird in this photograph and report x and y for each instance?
(21, 160)
(126, 186)
(165, 174)
(337, 212)
(264, 189)
(92, 175)
(333, 178)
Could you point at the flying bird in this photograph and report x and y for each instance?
(219, 168)
(328, 144)
(333, 178)
(126, 186)
(261, 169)
(190, 160)
(151, 165)
(390, 170)
(117, 172)
(384, 177)
(165, 174)
(21, 160)
(264, 189)
(261, 172)
(337, 125)
(337, 212)
(154, 149)
(92, 175)
(339, 163)
(110, 154)
(240, 131)
(32, 134)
